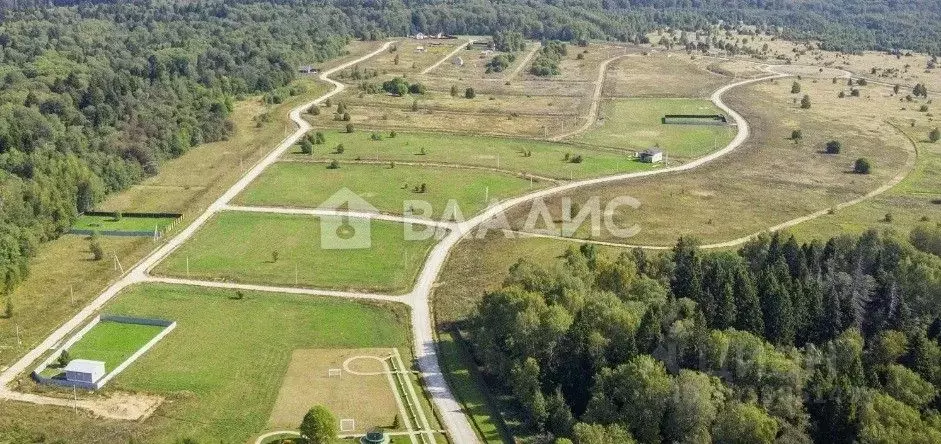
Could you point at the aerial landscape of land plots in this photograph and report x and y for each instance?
(329, 269)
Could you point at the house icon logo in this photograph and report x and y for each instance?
(340, 230)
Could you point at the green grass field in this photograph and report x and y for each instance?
(111, 342)
(125, 223)
(222, 366)
(305, 184)
(634, 124)
(547, 158)
(910, 202)
(238, 246)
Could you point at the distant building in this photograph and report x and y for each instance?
(83, 370)
(458, 61)
(419, 49)
(308, 69)
(651, 156)
(420, 36)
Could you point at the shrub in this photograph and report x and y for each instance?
(333, 165)
(307, 147)
(349, 127)
(469, 93)
(934, 135)
(862, 166)
(805, 102)
(97, 252)
(834, 147)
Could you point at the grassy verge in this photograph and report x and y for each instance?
(241, 247)
(471, 389)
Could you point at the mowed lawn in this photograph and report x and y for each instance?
(535, 157)
(222, 367)
(125, 223)
(306, 184)
(240, 246)
(113, 342)
(634, 124)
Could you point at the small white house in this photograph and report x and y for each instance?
(651, 156)
(84, 370)
(420, 36)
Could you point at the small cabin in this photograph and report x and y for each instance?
(84, 370)
(420, 36)
(651, 156)
(308, 69)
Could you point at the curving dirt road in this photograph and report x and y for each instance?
(452, 414)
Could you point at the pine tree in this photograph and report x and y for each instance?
(749, 317)
(725, 308)
(777, 309)
(649, 334)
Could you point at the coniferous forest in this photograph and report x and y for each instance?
(835, 342)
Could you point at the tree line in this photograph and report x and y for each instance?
(781, 341)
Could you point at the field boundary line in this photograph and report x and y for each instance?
(370, 215)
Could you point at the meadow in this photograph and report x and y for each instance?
(281, 249)
(546, 159)
(308, 184)
(661, 75)
(634, 124)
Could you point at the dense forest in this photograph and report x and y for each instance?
(835, 342)
(96, 94)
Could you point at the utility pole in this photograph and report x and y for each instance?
(187, 267)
